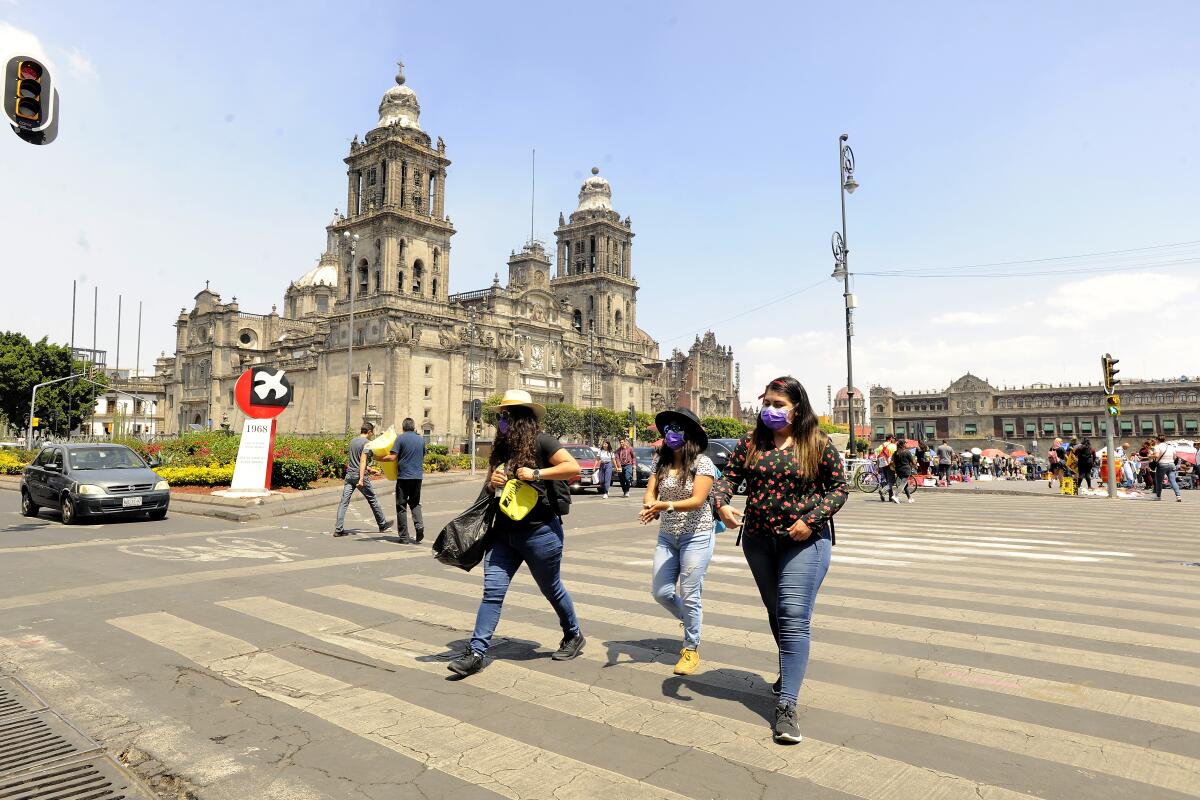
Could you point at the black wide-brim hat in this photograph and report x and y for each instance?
(685, 419)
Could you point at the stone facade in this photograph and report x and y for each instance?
(841, 410)
(565, 331)
(973, 413)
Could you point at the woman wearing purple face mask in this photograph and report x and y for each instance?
(677, 495)
(795, 484)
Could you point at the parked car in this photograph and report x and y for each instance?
(589, 467)
(645, 464)
(82, 480)
(720, 450)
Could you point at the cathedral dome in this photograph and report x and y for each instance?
(322, 274)
(595, 194)
(399, 105)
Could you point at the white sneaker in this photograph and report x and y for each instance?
(910, 499)
(896, 500)
(606, 495)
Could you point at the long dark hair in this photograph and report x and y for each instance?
(666, 460)
(517, 447)
(807, 437)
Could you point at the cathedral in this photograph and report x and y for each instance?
(374, 332)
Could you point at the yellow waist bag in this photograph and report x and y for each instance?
(517, 499)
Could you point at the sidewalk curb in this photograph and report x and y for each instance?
(276, 505)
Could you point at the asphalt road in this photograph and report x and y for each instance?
(965, 646)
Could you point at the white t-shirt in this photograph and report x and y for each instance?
(670, 490)
(1165, 453)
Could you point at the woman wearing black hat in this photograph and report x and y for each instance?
(677, 495)
(795, 484)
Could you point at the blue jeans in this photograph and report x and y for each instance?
(606, 473)
(683, 559)
(788, 574)
(1165, 475)
(368, 492)
(542, 551)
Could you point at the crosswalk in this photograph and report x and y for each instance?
(992, 651)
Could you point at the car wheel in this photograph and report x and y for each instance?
(70, 514)
(28, 507)
(157, 514)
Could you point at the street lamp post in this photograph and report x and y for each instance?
(841, 269)
(591, 356)
(367, 394)
(351, 240)
(471, 380)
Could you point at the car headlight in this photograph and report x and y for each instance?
(90, 489)
(162, 486)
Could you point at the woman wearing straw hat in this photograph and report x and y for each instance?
(527, 457)
(677, 495)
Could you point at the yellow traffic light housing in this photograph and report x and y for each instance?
(1114, 405)
(30, 100)
(1108, 366)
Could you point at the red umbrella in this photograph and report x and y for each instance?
(993, 452)
(1018, 454)
(911, 443)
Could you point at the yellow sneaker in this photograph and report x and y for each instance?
(689, 660)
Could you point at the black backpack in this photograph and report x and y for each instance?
(557, 494)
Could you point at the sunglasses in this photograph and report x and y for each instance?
(673, 429)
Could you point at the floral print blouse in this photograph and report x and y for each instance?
(778, 495)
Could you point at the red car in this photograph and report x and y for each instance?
(589, 468)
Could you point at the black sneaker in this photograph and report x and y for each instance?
(777, 686)
(569, 648)
(387, 526)
(467, 664)
(420, 536)
(341, 533)
(786, 730)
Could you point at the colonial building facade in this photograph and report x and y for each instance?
(971, 412)
(565, 331)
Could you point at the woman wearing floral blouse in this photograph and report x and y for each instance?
(795, 484)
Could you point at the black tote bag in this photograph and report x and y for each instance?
(463, 541)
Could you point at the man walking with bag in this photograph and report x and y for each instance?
(356, 478)
(408, 452)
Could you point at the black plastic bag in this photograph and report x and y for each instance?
(464, 540)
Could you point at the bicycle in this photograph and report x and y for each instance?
(866, 477)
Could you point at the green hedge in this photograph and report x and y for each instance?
(14, 462)
(436, 462)
(296, 473)
(437, 450)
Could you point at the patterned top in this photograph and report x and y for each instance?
(777, 495)
(670, 491)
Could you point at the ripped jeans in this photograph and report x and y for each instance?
(683, 559)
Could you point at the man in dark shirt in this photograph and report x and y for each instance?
(409, 454)
(357, 478)
(626, 465)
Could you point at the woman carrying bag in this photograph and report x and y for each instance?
(677, 495)
(607, 458)
(795, 484)
(527, 474)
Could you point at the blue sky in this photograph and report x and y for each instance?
(205, 142)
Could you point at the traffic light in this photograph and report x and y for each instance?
(476, 410)
(632, 416)
(30, 100)
(1114, 405)
(33, 423)
(1109, 365)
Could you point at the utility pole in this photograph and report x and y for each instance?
(138, 354)
(471, 381)
(1109, 381)
(118, 358)
(71, 359)
(352, 241)
(846, 184)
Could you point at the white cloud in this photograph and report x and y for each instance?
(18, 42)
(966, 318)
(81, 66)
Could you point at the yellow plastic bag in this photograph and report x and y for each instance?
(517, 499)
(380, 446)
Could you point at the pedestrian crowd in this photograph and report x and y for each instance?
(789, 469)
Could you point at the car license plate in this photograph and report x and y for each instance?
(131, 502)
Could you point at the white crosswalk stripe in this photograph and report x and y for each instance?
(906, 617)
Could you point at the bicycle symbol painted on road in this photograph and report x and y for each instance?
(219, 548)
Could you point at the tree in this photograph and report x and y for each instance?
(723, 428)
(24, 364)
(646, 432)
(562, 420)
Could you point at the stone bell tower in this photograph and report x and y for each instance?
(396, 203)
(595, 266)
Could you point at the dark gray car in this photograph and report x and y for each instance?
(92, 479)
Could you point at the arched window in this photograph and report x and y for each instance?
(418, 275)
(363, 276)
(435, 293)
(591, 303)
(577, 320)
(436, 254)
(617, 319)
(1170, 397)
(1158, 397)
(432, 190)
